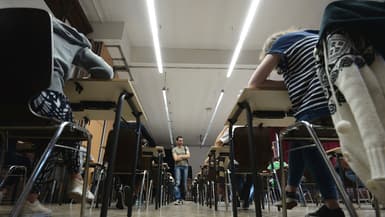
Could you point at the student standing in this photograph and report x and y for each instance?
(181, 154)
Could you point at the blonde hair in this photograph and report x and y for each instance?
(273, 38)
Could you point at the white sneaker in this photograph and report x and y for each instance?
(76, 190)
(36, 208)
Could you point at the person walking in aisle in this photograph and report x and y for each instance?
(181, 154)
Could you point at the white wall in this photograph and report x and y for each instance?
(198, 155)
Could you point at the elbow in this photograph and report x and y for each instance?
(93, 64)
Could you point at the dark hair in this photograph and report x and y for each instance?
(178, 137)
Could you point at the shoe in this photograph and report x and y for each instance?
(326, 212)
(178, 202)
(76, 190)
(36, 208)
(291, 201)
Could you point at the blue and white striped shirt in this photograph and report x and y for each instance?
(298, 67)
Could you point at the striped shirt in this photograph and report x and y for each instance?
(298, 67)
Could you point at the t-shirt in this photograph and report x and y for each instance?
(297, 63)
(181, 151)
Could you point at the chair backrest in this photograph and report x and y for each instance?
(263, 148)
(25, 60)
(126, 151)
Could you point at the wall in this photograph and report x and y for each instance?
(198, 155)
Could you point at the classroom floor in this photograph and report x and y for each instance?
(190, 209)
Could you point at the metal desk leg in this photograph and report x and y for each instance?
(283, 181)
(232, 171)
(257, 193)
(132, 189)
(111, 162)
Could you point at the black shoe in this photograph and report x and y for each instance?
(291, 201)
(119, 204)
(326, 212)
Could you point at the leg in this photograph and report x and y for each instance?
(185, 176)
(177, 183)
(296, 168)
(314, 162)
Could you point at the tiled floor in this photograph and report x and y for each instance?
(188, 209)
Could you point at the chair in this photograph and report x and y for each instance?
(262, 156)
(126, 153)
(306, 131)
(26, 67)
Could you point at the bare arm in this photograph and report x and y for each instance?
(176, 157)
(258, 78)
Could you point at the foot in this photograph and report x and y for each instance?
(326, 212)
(76, 190)
(291, 201)
(178, 202)
(36, 208)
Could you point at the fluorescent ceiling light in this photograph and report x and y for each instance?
(167, 115)
(212, 117)
(242, 37)
(154, 32)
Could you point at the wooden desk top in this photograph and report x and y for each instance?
(101, 91)
(218, 150)
(336, 150)
(154, 150)
(267, 101)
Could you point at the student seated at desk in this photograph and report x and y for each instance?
(291, 53)
(69, 48)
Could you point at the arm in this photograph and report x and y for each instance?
(93, 64)
(218, 140)
(258, 78)
(185, 156)
(176, 157)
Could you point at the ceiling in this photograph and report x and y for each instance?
(197, 38)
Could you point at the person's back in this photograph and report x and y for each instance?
(292, 53)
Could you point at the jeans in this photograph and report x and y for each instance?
(311, 159)
(179, 171)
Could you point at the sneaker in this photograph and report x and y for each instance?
(36, 208)
(326, 212)
(291, 201)
(76, 190)
(178, 202)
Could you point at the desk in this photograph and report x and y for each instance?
(97, 99)
(260, 107)
(272, 108)
(103, 100)
(214, 172)
(157, 151)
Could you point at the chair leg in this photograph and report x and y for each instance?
(334, 174)
(47, 152)
(85, 182)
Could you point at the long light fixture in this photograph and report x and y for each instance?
(212, 117)
(164, 91)
(154, 32)
(242, 36)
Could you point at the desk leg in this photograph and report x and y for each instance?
(111, 162)
(232, 172)
(278, 139)
(133, 179)
(158, 184)
(256, 180)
